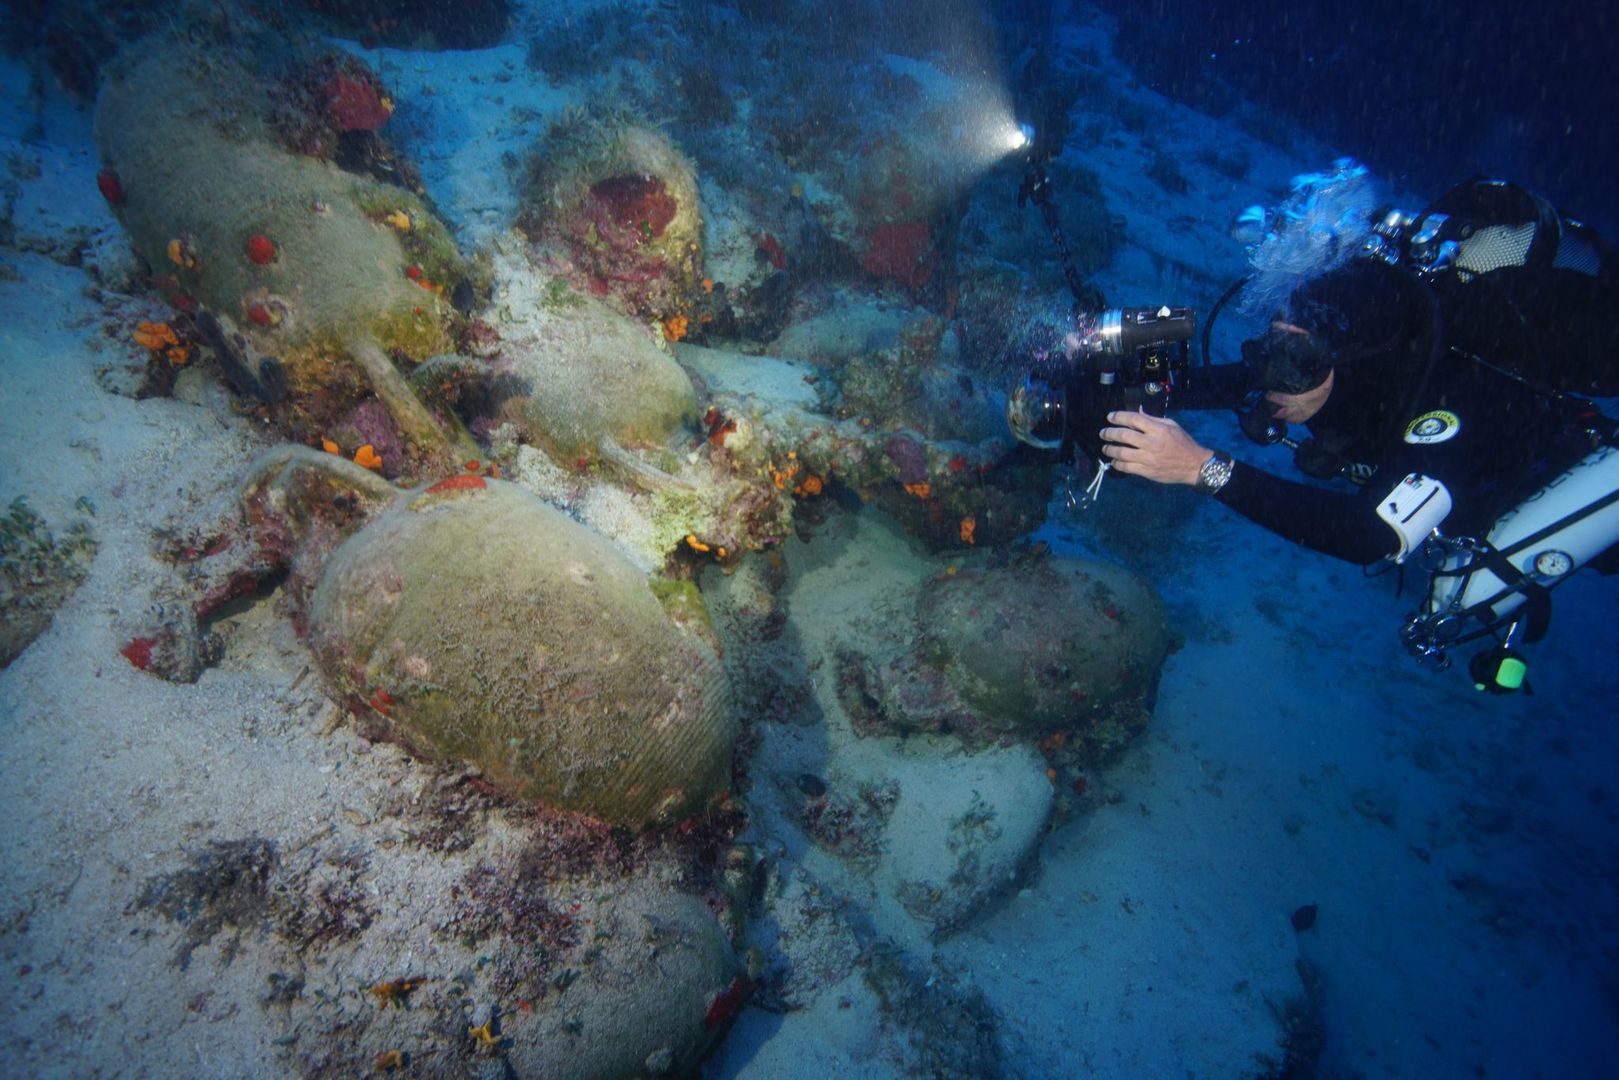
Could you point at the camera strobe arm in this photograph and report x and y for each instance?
(1036, 186)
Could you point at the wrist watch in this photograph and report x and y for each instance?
(1214, 473)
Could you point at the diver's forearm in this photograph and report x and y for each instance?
(1334, 523)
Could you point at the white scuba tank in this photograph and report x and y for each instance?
(1552, 558)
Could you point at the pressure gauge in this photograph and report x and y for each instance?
(1553, 564)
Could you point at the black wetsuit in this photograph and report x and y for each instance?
(1488, 438)
(1402, 402)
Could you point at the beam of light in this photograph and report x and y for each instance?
(985, 131)
(970, 126)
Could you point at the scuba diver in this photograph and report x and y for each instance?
(1442, 364)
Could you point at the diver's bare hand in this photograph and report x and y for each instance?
(1153, 447)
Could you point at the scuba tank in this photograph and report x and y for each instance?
(1505, 581)
(1544, 539)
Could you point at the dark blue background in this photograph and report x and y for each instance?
(1426, 92)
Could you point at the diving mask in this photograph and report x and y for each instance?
(1287, 361)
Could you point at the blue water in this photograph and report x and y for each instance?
(1430, 91)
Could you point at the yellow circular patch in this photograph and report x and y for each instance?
(1433, 427)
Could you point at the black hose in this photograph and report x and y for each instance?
(1214, 313)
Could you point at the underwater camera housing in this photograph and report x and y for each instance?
(1135, 358)
(1115, 358)
(1121, 358)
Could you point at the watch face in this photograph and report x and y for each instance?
(1553, 564)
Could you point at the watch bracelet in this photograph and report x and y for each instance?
(1215, 473)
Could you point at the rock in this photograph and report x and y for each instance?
(962, 830)
(524, 970)
(621, 202)
(481, 624)
(950, 492)
(852, 324)
(38, 573)
(647, 1000)
(594, 375)
(170, 645)
(345, 277)
(1041, 642)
